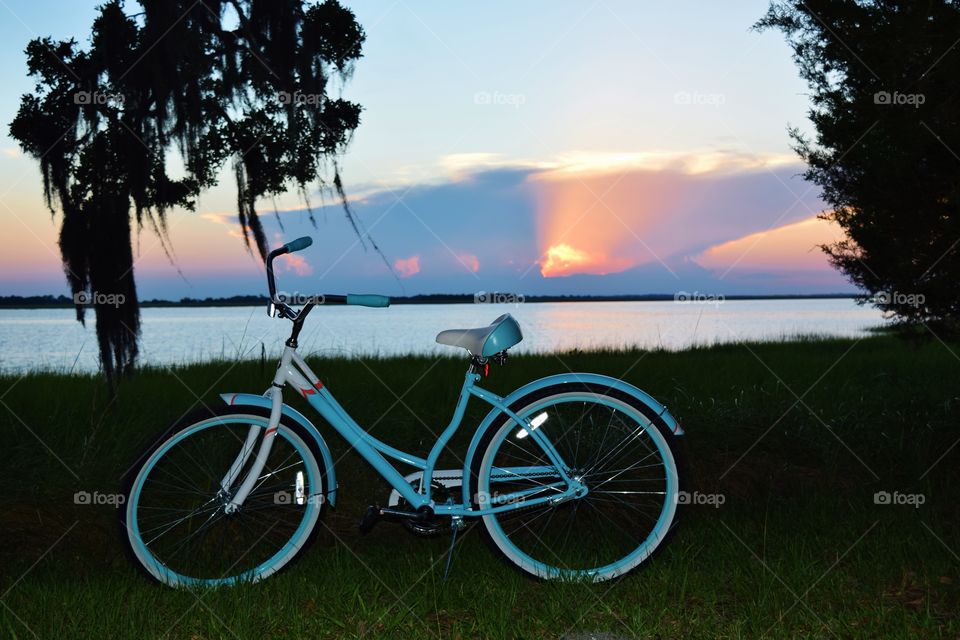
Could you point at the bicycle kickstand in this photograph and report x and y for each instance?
(455, 526)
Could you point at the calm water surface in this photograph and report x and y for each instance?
(52, 339)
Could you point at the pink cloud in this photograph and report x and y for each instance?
(297, 264)
(470, 261)
(407, 267)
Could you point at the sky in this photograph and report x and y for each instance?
(605, 147)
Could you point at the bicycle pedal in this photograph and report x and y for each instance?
(370, 518)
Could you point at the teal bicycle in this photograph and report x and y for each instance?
(573, 476)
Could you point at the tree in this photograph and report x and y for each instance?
(208, 82)
(885, 82)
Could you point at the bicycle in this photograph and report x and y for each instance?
(572, 476)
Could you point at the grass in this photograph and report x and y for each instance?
(799, 548)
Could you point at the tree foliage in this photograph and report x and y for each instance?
(146, 117)
(885, 85)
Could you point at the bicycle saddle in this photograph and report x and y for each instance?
(503, 333)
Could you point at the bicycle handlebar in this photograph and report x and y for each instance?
(299, 244)
(284, 310)
(368, 300)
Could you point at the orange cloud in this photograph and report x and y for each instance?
(695, 162)
(606, 214)
(220, 218)
(563, 260)
(407, 267)
(594, 224)
(792, 246)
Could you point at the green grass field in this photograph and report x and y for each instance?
(797, 438)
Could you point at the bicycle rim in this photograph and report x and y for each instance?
(623, 460)
(177, 522)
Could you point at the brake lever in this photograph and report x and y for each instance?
(280, 310)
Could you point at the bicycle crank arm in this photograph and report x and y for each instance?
(375, 513)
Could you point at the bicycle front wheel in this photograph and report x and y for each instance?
(177, 525)
(612, 446)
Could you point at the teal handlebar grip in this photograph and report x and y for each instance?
(299, 244)
(368, 300)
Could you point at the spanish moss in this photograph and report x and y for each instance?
(243, 82)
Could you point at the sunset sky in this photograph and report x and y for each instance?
(608, 147)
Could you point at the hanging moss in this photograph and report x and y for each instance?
(240, 81)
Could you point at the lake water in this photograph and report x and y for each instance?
(52, 339)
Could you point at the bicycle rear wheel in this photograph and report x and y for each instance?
(615, 448)
(175, 520)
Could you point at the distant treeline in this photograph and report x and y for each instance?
(433, 298)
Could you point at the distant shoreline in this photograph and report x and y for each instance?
(63, 302)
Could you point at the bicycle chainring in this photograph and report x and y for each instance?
(434, 525)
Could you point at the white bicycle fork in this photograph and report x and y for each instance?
(285, 372)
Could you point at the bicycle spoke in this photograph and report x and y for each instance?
(181, 509)
(617, 458)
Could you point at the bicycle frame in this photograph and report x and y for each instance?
(486, 484)
(294, 371)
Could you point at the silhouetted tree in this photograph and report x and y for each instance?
(212, 81)
(885, 81)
